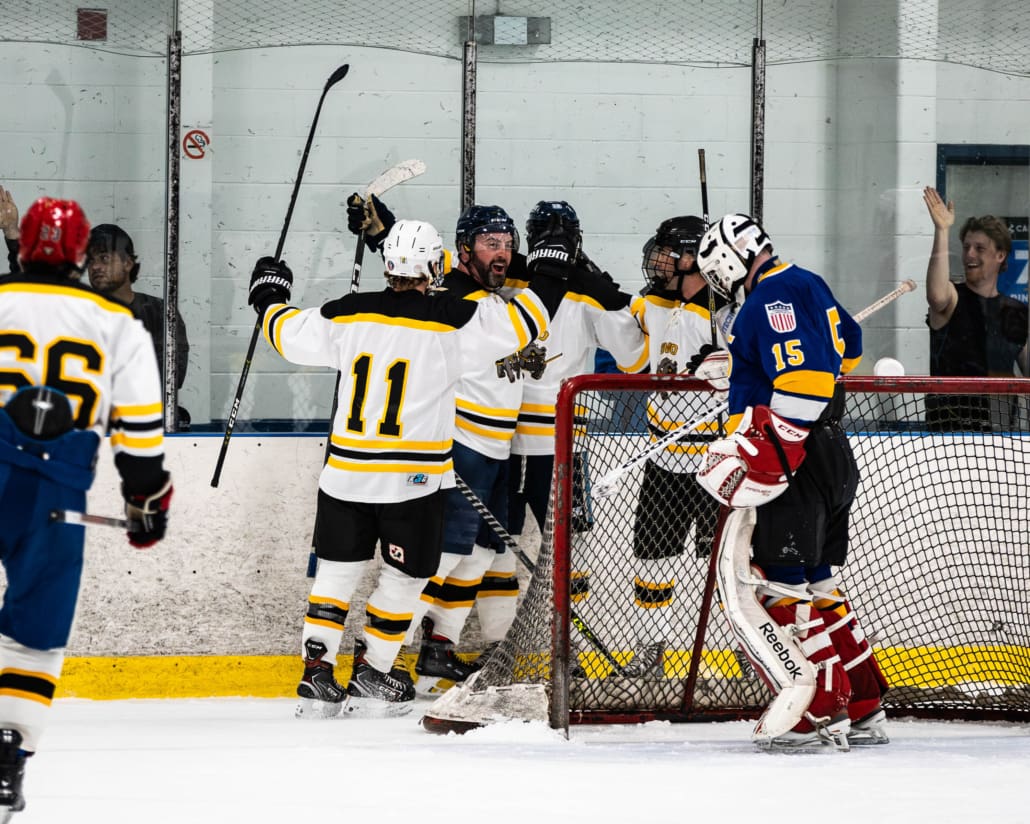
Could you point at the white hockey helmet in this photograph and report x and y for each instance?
(413, 249)
(728, 249)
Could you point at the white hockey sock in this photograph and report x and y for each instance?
(454, 603)
(498, 597)
(654, 589)
(448, 561)
(388, 615)
(26, 708)
(329, 604)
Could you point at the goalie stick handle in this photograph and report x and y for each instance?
(485, 513)
(905, 287)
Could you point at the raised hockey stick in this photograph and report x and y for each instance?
(609, 484)
(405, 170)
(67, 516)
(510, 543)
(230, 423)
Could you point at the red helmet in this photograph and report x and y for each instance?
(54, 232)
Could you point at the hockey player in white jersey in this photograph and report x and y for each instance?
(676, 316)
(400, 353)
(72, 364)
(583, 323)
(487, 405)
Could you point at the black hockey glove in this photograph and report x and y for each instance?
(270, 282)
(554, 252)
(371, 217)
(701, 354)
(148, 514)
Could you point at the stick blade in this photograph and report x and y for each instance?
(337, 76)
(405, 170)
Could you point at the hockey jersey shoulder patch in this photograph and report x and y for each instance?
(781, 317)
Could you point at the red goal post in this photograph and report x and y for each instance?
(938, 567)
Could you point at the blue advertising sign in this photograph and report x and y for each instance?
(1013, 281)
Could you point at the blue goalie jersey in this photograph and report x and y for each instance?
(790, 342)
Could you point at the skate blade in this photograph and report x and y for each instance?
(867, 738)
(355, 707)
(313, 709)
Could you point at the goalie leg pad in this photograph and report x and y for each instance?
(868, 684)
(787, 642)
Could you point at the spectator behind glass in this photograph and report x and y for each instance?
(113, 268)
(9, 226)
(974, 330)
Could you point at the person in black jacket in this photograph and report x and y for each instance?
(974, 330)
(113, 269)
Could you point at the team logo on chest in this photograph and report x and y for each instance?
(781, 316)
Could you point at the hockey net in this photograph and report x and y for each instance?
(938, 567)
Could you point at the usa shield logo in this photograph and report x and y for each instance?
(781, 316)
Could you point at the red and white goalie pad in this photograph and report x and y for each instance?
(778, 659)
(747, 468)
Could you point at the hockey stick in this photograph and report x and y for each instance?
(904, 288)
(67, 516)
(230, 424)
(609, 484)
(395, 175)
(510, 543)
(405, 170)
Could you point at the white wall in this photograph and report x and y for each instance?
(849, 146)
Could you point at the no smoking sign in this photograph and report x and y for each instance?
(195, 143)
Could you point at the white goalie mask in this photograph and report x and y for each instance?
(728, 249)
(413, 249)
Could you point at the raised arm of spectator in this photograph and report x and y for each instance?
(941, 295)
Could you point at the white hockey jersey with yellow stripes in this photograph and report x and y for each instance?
(60, 333)
(677, 330)
(487, 400)
(400, 355)
(585, 320)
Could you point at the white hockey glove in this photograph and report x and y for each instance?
(747, 468)
(715, 369)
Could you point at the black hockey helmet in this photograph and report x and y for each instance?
(677, 236)
(546, 212)
(484, 220)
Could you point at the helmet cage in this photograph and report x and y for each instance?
(728, 250)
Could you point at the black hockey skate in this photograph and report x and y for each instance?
(437, 662)
(320, 695)
(372, 693)
(12, 771)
